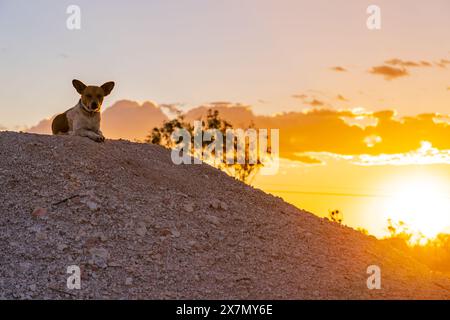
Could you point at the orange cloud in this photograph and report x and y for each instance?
(396, 68)
(325, 130)
(316, 103)
(388, 72)
(339, 69)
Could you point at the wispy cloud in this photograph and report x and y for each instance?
(309, 100)
(443, 63)
(404, 63)
(300, 96)
(316, 103)
(340, 97)
(339, 69)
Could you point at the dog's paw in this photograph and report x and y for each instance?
(98, 138)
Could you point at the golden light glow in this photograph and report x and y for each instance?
(422, 202)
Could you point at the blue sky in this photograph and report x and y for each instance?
(256, 52)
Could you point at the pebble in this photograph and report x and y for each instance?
(141, 231)
(99, 257)
(41, 235)
(39, 212)
(175, 233)
(189, 207)
(217, 204)
(93, 206)
(213, 219)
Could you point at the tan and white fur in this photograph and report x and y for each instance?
(84, 119)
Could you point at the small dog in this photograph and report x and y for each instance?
(84, 119)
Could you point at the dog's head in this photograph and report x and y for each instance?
(92, 96)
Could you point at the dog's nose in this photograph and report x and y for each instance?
(94, 105)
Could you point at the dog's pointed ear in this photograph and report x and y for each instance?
(79, 86)
(107, 87)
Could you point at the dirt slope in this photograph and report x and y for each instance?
(140, 227)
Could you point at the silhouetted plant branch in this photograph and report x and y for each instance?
(242, 171)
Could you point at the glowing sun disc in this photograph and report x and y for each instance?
(422, 202)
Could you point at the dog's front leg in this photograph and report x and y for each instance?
(101, 134)
(89, 134)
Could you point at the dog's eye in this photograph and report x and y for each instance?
(99, 96)
(89, 96)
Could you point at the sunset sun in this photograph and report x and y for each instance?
(422, 202)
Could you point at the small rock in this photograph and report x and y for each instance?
(175, 233)
(102, 237)
(213, 219)
(39, 212)
(41, 236)
(223, 206)
(99, 252)
(214, 203)
(192, 243)
(100, 257)
(25, 266)
(128, 281)
(35, 228)
(141, 230)
(165, 232)
(114, 264)
(93, 206)
(61, 247)
(217, 204)
(189, 207)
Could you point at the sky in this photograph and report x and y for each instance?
(273, 57)
(255, 52)
(368, 195)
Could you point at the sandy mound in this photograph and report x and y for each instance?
(140, 227)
